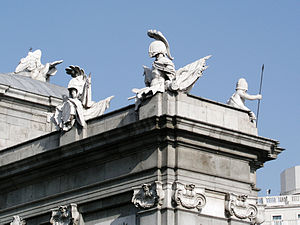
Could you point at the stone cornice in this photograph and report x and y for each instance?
(246, 146)
(24, 96)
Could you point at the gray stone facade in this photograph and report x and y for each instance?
(181, 155)
(24, 104)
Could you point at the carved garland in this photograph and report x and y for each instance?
(148, 195)
(189, 196)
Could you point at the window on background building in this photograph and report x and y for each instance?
(277, 220)
(298, 216)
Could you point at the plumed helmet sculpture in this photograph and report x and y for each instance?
(161, 44)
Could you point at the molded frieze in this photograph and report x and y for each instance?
(17, 220)
(243, 207)
(148, 196)
(189, 196)
(66, 215)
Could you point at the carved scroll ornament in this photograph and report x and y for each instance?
(242, 207)
(189, 196)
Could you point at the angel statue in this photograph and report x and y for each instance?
(238, 98)
(163, 76)
(31, 66)
(78, 107)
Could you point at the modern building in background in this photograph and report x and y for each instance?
(284, 209)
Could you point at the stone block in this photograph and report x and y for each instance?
(149, 218)
(216, 165)
(183, 109)
(72, 135)
(215, 117)
(3, 117)
(38, 127)
(18, 133)
(41, 118)
(230, 120)
(4, 130)
(3, 143)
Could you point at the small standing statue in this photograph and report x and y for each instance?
(17, 220)
(31, 66)
(238, 98)
(163, 76)
(78, 107)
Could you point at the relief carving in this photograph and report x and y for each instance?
(148, 196)
(66, 215)
(189, 196)
(243, 207)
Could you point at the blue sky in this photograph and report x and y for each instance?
(108, 39)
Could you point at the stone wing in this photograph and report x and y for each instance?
(188, 75)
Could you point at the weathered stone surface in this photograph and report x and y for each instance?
(189, 196)
(122, 150)
(198, 109)
(24, 105)
(244, 208)
(66, 215)
(148, 195)
(17, 220)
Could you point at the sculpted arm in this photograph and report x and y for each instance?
(249, 97)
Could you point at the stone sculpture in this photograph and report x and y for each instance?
(78, 107)
(66, 215)
(148, 195)
(238, 98)
(17, 220)
(242, 207)
(31, 66)
(163, 76)
(189, 196)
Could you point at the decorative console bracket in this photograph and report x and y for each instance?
(243, 207)
(189, 196)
